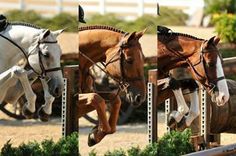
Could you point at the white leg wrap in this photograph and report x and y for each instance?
(194, 108)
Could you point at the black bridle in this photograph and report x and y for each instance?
(40, 54)
(212, 84)
(44, 71)
(122, 80)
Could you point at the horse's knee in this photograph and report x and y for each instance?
(17, 71)
(95, 98)
(48, 99)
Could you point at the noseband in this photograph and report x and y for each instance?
(43, 70)
(123, 80)
(211, 85)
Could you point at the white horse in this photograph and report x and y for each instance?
(39, 48)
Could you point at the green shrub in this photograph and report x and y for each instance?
(119, 152)
(67, 146)
(220, 6)
(171, 144)
(93, 153)
(60, 21)
(134, 151)
(171, 16)
(175, 143)
(225, 25)
(24, 16)
(168, 17)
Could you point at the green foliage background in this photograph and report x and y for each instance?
(168, 17)
(220, 6)
(68, 21)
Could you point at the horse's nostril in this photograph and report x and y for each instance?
(138, 98)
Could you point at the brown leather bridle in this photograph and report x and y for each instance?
(213, 83)
(122, 80)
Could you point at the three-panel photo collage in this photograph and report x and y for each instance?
(117, 77)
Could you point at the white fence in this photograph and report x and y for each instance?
(45, 7)
(135, 8)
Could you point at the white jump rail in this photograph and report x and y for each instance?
(217, 151)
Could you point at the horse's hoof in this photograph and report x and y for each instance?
(44, 117)
(181, 126)
(171, 122)
(27, 113)
(91, 140)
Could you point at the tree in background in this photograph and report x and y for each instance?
(220, 6)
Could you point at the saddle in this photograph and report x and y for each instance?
(3, 23)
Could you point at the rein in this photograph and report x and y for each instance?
(43, 70)
(122, 85)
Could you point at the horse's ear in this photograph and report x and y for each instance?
(131, 36)
(213, 40)
(140, 34)
(57, 32)
(44, 34)
(216, 40)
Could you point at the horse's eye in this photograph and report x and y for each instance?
(211, 64)
(46, 55)
(129, 60)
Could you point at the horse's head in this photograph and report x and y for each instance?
(125, 62)
(44, 59)
(209, 71)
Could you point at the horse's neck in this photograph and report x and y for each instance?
(21, 35)
(170, 57)
(95, 43)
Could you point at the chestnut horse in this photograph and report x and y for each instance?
(203, 60)
(123, 60)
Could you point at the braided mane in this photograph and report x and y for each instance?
(101, 27)
(180, 34)
(25, 24)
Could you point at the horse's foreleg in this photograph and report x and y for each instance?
(182, 107)
(115, 109)
(194, 108)
(29, 108)
(9, 80)
(192, 86)
(87, 103)
(46, 109)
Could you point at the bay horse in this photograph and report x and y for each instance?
(203, 60)
(122, 57)
(38, 49)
